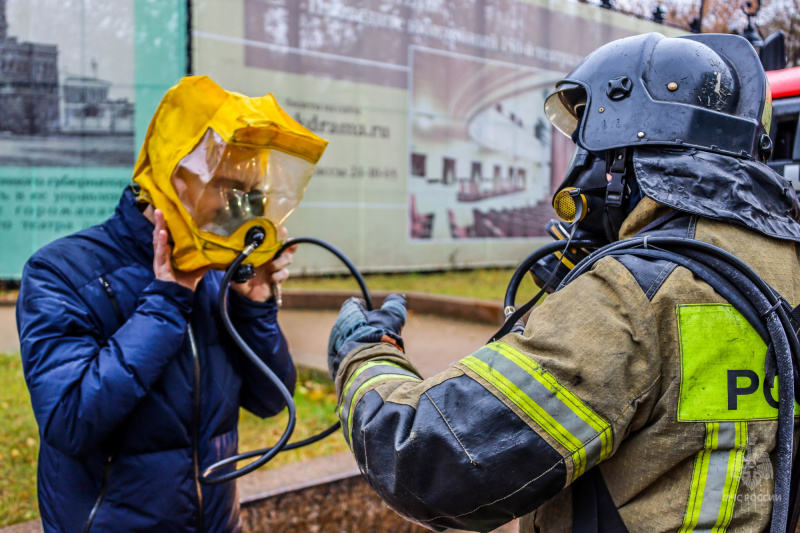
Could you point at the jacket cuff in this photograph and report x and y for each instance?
(181, 296)
(244, 307)
(360, 354)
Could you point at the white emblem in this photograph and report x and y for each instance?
(756, 468)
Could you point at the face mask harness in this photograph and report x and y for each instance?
(224, 187)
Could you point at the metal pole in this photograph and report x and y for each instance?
(700, 16)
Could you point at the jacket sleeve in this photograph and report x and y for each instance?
(257, 323)
(511, 425)
(81, 387)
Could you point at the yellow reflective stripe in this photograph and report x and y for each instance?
(349, 422)
(699, 474)
(575, 404)
(715, 478)
(532, 409)
(358, 372)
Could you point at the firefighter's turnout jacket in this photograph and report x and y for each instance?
(635, 368)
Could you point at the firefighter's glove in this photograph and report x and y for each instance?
(355, 325)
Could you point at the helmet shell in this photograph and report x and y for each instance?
(704, 91)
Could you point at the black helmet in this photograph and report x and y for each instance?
(697, 91)
(683, 121)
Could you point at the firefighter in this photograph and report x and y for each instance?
(636, 398)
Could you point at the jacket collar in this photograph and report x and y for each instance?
(131, 230)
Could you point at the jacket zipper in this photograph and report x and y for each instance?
(107, 466)
(100, 497)
(113, 299)
(196, 429)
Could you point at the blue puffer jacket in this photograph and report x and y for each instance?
(128, 412)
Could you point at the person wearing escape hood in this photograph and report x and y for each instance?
(636, 398)
(135, 384)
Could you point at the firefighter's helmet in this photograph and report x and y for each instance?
(697, 91)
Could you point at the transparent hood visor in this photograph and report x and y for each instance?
(565, 107)
(224, 186)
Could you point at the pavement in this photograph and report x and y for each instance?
(432, 343)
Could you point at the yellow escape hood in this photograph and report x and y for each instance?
(184, 115)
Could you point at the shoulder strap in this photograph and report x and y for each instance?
(593, 509)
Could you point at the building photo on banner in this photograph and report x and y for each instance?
(78, 91)
(66, 120)
(440, 154)
(71, 96)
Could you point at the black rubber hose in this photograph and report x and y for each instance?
(335, 251)
(266, 454)
(207, 478)
(535, 257)
(516, 279)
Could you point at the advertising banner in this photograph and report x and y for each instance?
(440, 154)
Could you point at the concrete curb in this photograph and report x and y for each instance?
(472, 310)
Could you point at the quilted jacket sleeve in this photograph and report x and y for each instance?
(258, 325)
(82, 388)
(508, 427)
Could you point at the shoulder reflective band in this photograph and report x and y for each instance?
(565, 417)
(366, 375)
(715, 478)
(722, 367)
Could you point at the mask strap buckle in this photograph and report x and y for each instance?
(616, 186)
(614, 214)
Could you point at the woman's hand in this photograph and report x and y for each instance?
(162, 258)
(259, 288)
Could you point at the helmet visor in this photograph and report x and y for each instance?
(565, 107)
(223, 185)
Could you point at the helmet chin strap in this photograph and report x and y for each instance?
(614, 213)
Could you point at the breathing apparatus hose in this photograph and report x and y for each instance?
(764, 309)
(266, 454)
(512, 313)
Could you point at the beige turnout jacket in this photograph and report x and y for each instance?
(654, 379)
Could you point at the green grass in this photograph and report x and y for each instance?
(19, 438)
(486, 284)
(19, 445)
(315, 398)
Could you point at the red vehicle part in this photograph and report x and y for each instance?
(784, 83)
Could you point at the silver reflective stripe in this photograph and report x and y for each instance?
(715, 479)
(546, 400)
(362, 378)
